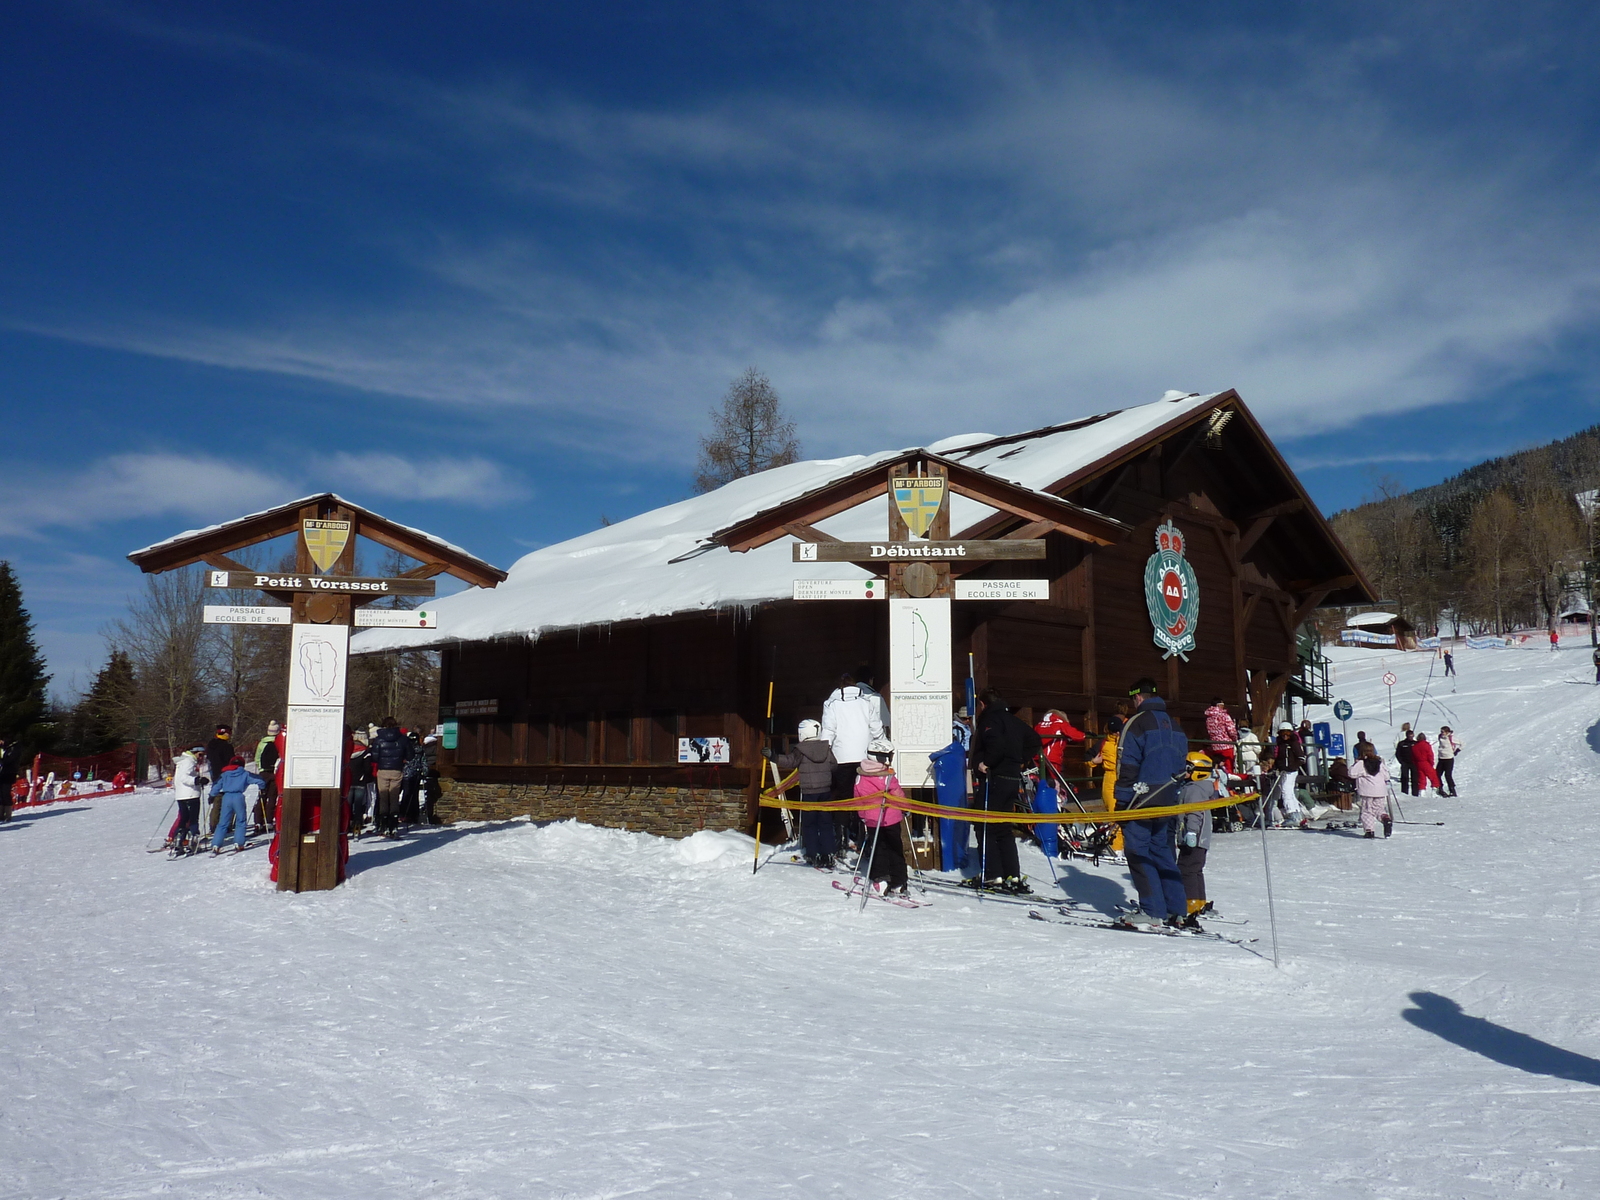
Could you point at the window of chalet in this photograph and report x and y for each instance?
(499, 748)
(663, 737)
(575, 743)
(538, 740)
(467, 741)
(619, 738)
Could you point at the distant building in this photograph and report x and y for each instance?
(1380, 630)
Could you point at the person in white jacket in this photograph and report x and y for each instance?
(186, 783)
(852, 719)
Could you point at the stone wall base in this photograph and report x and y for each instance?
(668, 811)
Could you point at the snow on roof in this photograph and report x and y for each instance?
(1366, 619)
(304, 500)
(627, 572)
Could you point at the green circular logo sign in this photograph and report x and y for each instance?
(1171, 593)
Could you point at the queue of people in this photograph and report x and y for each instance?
(389, 771)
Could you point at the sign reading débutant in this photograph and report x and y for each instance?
(920, 550)
(338, 585)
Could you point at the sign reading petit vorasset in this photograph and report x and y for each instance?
(338, 585)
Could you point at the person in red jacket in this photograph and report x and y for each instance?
(1055, 731)
(1422, 755)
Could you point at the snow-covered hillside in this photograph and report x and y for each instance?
(505, 1010)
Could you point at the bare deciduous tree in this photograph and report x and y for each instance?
(165, 636)
(1495, 553)
(749, 433)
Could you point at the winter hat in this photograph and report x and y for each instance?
(1286, 725)
(430, 739)
(809, 731)
(236, 761)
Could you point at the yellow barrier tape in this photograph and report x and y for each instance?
(773, 798)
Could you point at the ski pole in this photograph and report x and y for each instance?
(1272, 911)
(872, 857)
(161, 823)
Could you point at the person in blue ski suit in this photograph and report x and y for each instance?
(231, 785)
(1152, 752)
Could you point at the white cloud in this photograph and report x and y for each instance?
(130, 486)
(1082, 237)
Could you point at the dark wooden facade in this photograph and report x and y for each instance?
(587, 720)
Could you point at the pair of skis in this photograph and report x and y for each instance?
(1156, 930)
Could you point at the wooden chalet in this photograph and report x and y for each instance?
(572, 683)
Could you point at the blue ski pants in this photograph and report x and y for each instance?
(232, 810)
(817, 834)
(1153, 863)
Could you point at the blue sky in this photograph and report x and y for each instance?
(483, 267)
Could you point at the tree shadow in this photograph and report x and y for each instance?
(1592, 736)
(1097, 891)
(22, 818)
(1441, 1016)
(373, 853)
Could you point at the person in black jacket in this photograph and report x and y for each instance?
(1003, 747)
(219, 752)
(390, 751)
(8, 777)
(1408, 764)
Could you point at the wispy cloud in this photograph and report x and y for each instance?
(1066, 233)
(130, 486)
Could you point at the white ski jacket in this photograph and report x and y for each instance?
(185, 776)
(851, 718)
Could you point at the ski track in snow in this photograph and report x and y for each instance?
(565, 1011)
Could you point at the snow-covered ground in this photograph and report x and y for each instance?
(504, 1010)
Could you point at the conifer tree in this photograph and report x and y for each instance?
(749, 433)
(105, 716)
(22, 674)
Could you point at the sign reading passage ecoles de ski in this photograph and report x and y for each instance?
(247, 614)
(1002, 589)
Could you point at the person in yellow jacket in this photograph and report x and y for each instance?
(1107, 760)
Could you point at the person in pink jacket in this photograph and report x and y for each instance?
(883, 850)
(1371, 778)
(1422, 755)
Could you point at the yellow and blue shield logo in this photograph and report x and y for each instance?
(918, 499)
(325, 541)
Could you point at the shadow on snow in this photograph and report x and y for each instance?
(370, 854)
(1441, 1016)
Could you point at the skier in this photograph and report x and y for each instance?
(1224, 733)
(1055, 731)
(390, 750)
(218, 751)
(1372, 787)
(1106, 760)
(267, 763)
(361, 770)
(1447, 749)
(813, 757)
(187, 780)
(8, 778)
(1194, 834)
(430, 779)
(1003, 747)
(411, 783)
(1404, 755)
(1449, 664)
(1288, 760)
(885, 853)
(1597, 664)
(1150, 760)
(1422, 756)
(852, 718)
(228, 791)
(1364, 747)
(1555, 641)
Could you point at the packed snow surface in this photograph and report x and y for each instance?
(509, 1010)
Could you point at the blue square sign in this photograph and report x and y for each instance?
(1336, 745)
(1322, 731)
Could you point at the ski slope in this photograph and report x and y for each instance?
(505, 1010)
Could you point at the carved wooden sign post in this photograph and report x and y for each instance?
(324, 599)
(919, 562)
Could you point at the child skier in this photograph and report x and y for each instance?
(1194, 833)
(813, 758)
(884, 853)
(186, 781)
(1372, 786)
(230, 789)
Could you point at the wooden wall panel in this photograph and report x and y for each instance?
(1037, 663)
